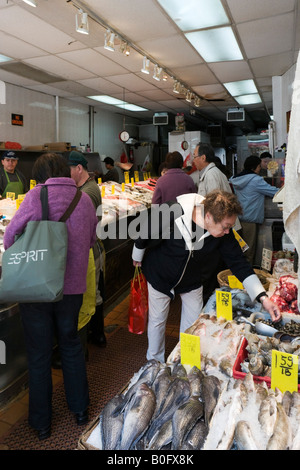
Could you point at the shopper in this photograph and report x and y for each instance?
(11, 179)
(173, 264)
(42, 320)
(174, 182)
(112, 173)
(251, 190)
(86, 183)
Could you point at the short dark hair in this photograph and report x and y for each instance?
(252, 162)
(174, 160)
(221, 204)
(265, 155)
(109, 161)
(50, 165)
(207, 150)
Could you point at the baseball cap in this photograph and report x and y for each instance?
(76, 158)
(10, 154)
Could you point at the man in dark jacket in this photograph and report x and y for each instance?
(171, 255)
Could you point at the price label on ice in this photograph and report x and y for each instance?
(284, 371)
(126, 177)
(224, 304)
(190, 350)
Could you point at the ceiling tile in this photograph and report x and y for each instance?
(243, 10)
(131, 82)
(60, 67)
(93, 62)
(231, 71)
(195, 74)
(272, 65)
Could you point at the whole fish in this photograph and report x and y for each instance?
(211, 388)
(196, 437)
(281, 438)
(235, 408)
(111, 424)
(267, 414)
(177, 393)
(287, 401)
(179, 370)
(195, 378)
(184, 418)
(162, 437)
(137, 417)
(160, 387)
(243, 437)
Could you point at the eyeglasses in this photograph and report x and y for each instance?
(225, 229)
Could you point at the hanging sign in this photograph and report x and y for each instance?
(17, 119)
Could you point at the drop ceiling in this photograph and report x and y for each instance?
(49, 56)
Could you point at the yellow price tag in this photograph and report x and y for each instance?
(112, 189)
(234, 283)
(11, 196)
(99, 180)
(18, 203)
(145, 177)
(241, 241)
(132, 182)
(190, 350)
(224, 304)
(21, 197)
(149, 175)
(284, 371)
(123, 187)
(126, 176)
(32, 184)
(136, 176)
(103, 191)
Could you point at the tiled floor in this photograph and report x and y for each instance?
(17, 407)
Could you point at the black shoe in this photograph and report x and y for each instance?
(99, 340)
(44, 433)
(82, 417)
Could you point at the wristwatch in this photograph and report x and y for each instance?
(261, 297)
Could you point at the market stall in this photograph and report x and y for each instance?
(229, 401)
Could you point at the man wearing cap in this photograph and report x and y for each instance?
(11, 180)
(112, 174)
(86, 183)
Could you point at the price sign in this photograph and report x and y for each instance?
(224, 304)
(11, 196)
(103, 191)
(123, 187)
(132, 182)
(136, 176)
(112, 189)
(21, 197)
(145, 177)
(99, 180)
(284, 371)
(266, 261)
(126, 176)
(190, 350)
(234, 283)
(18, 203)
(32, 184)
(149, 175)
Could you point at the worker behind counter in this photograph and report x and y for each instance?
(11, 179)
(112, 173)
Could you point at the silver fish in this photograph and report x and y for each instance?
(267, 414)
(243, 437)
(195, 378)
(160, 387)
(137, 417)
(162, 437)
(287, 401)
(211, 388)
(111, 423)
(179, 370)
(196, 437)
(281, 438)
(184, 418)
(235, 409)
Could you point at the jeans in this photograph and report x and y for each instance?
(40, 321)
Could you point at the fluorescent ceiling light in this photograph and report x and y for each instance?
(4, 58)
(195, 14)
(131, 107)
(107, 99)
(242, 87)
(248, 99)
(32, 3)
(215, 45)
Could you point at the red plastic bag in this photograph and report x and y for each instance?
(138, 303)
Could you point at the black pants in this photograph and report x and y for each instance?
(40, 320)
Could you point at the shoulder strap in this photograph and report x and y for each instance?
(71, 207)
(44, 201)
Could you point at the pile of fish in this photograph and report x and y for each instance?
(161, 409)
(241, 302)
(250, 416)
(219, 343)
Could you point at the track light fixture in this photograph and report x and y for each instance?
(176, 87)
(146, 65)
(197, 101)
(82, 23)
(32, 3)
(109, 41)
(124, 48)
(165, 77)
(189, 96)
(157, 73)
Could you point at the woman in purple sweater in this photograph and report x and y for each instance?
(41, 321)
